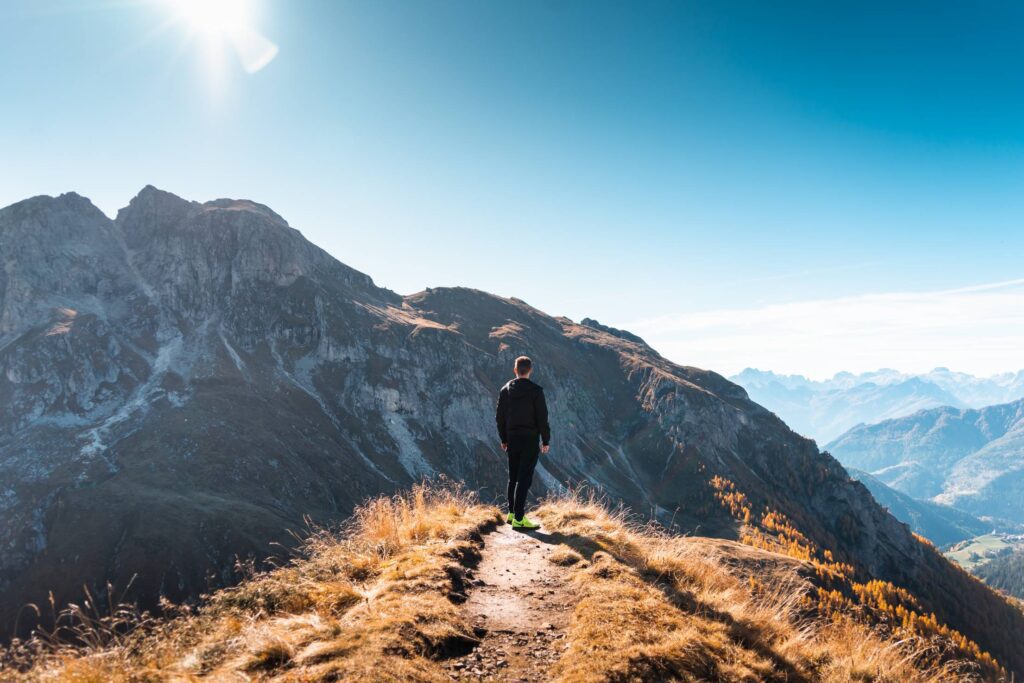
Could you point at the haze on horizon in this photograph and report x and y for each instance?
(789, 187)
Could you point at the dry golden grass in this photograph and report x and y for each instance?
(378, 602)
(370, 604)
(656, 608)
(564, 556)
(625, 630)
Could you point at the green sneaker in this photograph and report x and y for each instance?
(524, 523)
(511, 518)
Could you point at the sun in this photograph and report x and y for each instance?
(224, 23)
(213, 17)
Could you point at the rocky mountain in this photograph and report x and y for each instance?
(969, 458)
(185, 383)
(823, 410)
(940, 524)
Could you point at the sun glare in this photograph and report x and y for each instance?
(219, 17)
(226, 22)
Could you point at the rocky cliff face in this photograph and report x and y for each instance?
(182, 385)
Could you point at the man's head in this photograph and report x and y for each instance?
(523, 367)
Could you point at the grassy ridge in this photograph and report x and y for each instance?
(380, 601)
(374, 603)
(657, 607)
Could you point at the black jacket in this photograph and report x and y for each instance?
(522, 411)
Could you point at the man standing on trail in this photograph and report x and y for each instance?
(522, 418)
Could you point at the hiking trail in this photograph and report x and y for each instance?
(520, 604)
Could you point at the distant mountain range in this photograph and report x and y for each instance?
(969, 458)
(822, 410)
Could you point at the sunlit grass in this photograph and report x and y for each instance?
(660, 607)
(380, 601)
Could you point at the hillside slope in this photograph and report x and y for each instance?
(940, 524)
(185, 383)
(1005, 573)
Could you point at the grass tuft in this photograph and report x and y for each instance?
(565, 556)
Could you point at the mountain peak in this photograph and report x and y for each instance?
(66, 201)
(615, 332)
(72, 197)
(151, 193)
(152, 203)
(244, 205)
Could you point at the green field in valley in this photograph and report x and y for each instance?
(981, 549)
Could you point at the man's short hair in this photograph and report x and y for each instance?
(523, 365)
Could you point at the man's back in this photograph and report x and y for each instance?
(522, 411)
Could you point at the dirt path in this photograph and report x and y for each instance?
(521, 604)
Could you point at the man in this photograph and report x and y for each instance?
(522, 418)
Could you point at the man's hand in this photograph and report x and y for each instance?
(504, 446)
(545, 448)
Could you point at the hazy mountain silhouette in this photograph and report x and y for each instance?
(823, 410)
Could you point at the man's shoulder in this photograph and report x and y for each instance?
(532, 386)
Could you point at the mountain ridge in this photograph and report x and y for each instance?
(186, 382)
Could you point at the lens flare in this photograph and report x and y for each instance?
(229, 22)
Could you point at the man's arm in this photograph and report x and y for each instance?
(541, 412)
(499, 416)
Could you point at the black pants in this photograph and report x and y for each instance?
(522, 458)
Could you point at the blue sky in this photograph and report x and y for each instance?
(679, 168)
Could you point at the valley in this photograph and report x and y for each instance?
(975, 553)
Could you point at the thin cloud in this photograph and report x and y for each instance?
(977, 329)
(806, 273)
